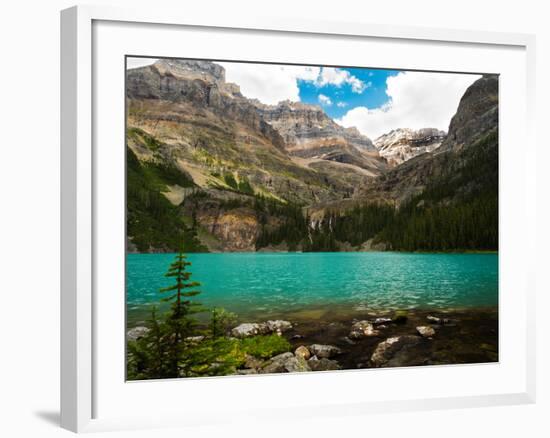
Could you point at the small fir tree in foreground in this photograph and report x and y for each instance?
(180, 323)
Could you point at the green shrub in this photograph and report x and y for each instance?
(265, 347)
(214, 357)
(230, 181)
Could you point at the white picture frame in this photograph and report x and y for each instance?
(79, 216)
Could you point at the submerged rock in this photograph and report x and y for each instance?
(302, 351)
(137, 332)
(324, 351)
(437, 320)
(323, 364)
(400, 317)
(362, 329)
(425, 331)
(394, 351)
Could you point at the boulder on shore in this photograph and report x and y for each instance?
(425, 331)
(394, 351)
(382, 320)
(323, 364)
(296, 364)
(302, 351)
(324, 351)
(276, 364)
(249, 329)
(278, 326)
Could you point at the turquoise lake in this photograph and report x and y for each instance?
(256, 283)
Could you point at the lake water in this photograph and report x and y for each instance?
(256, 283)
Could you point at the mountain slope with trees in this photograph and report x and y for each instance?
(225, 173)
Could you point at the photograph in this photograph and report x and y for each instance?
(285, 218)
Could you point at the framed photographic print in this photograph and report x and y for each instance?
(250, 208)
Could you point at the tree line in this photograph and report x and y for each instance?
(456, 211)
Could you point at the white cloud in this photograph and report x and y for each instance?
(269, 83)
(417, 100)
(341, 104)
(324, 100)
(132, 62)
(339, 77)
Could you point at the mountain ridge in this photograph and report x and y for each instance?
(278, 169)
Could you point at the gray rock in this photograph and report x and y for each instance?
(296, 365)
(394, 351)
(278, 326)
(276, 364)
(379, 321)
(425, 331)
(137, 332)
(323, 364)
(302, 351)
(324, 351)
(249, 329)
(362, 329)
(194, 339)
(253, 328)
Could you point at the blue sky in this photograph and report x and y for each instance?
(375, 101)
(343, 98)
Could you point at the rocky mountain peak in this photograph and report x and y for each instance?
(477, 110)
(187, 68)
(303, 124)
(300, 129)
(400, 145)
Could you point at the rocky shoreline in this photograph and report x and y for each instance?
(371, 340)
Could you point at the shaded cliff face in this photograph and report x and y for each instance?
(468, 154)
(403, 144)
(476, 115)
(237, 228)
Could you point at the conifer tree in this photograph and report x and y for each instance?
(180, 323)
